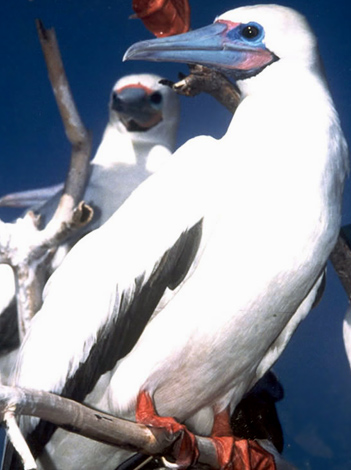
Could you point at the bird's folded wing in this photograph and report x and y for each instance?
(132, 310)
(99, 300)
(31, 197)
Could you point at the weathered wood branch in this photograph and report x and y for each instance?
(19, 443)
(205, 80)
(70, 211)
(85, 421)
(25, 245)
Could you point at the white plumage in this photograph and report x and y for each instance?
(140, 136)
(220, 253)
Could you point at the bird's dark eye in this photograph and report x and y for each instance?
(251, 31)
(156, 98)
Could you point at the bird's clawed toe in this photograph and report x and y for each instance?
(184, 451)
(235, 453)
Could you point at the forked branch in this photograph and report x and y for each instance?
(25, 245)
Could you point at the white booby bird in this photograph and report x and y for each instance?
(189, 293)
(140, 136)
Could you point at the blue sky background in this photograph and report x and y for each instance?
(93, 35)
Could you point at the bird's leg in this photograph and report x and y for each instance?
(223, 438)
(235, 453)
(185, 450)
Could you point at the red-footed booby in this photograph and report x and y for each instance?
(189, 293)
(140, 136)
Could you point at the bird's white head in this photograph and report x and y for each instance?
(242, 42)
(144, 107)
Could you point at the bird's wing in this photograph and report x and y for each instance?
(98, 302)
(31, 197)
(278, 346)
(132, 310)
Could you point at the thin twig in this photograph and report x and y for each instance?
(19, 443)
(205, 80)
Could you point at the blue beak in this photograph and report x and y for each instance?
(219, 46)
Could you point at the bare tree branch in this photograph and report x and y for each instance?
(18, 441)
(102, 427)
(205, 80)
(76, 133)
(23, 244)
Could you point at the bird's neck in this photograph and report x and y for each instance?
(283, 77)
(121, 148)
(286, 124)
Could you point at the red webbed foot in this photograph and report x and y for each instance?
(185, 450)
(238, 454)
